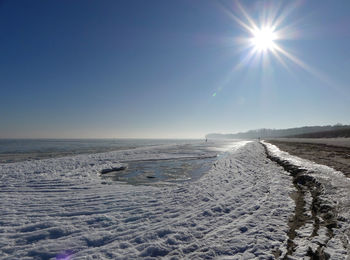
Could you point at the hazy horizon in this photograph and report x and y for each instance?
(165, 70)
(155, 138)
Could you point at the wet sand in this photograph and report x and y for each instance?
(340, 141)
(333, 153)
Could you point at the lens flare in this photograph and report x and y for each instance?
(66, 255)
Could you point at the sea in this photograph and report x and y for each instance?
(172, 160)
(15, 150)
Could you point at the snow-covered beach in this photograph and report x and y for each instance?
(240, 208)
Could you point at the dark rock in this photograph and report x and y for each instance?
(113, 169)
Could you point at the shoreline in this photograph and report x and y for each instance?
(332, 153)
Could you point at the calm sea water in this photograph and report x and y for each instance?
(14, 150)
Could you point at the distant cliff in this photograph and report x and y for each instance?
(337, 130)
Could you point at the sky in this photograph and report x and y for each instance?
(170, 69)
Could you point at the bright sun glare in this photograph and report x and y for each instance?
(265, 36)
(263, 39)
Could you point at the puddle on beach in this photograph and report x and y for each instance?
(156, 172)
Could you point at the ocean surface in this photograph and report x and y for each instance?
(15, 150)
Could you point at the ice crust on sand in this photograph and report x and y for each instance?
(58, 207)
(335, 192)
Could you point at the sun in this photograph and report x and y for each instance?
(263, 39)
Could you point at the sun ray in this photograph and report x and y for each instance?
(321, 76)
(246, 59)
(265, 39)
(253, 25)
(273, 15)
(262, 40)
(280, 60)
(235, 18)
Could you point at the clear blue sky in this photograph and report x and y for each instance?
(165, 69)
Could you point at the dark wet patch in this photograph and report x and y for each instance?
(113, 169)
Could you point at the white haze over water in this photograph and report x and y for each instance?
(237, 208)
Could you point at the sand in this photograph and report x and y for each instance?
(341, 142)
(333, 152)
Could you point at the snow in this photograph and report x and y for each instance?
(335, 193)
(61, 208)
